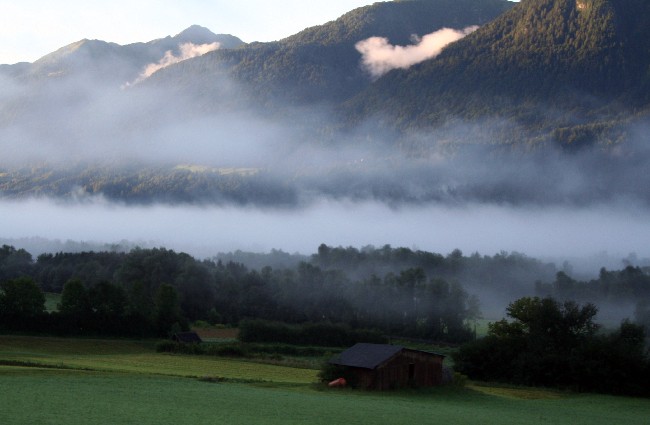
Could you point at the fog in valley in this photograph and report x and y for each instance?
(604, 236)
(300, 178)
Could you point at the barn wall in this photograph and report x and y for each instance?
(408, 368)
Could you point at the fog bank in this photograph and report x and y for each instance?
(605, 233)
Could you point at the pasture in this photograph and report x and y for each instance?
(126, 382)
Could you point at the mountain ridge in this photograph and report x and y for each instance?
(320, 64)
(92, 57)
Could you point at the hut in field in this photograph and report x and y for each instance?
(384, 367)
(187, 338)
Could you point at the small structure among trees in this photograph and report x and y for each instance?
(384, 367)
(187, 338)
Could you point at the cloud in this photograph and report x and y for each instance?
(379, 56)
(186, 51)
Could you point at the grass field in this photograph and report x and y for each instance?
(138, 357)
(129, 384)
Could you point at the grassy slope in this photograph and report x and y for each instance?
(73, 397)
(130, 383)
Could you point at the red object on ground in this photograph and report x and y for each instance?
(341, 382)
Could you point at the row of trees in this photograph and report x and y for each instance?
(125, 293)
(396, 290)
(105, 309)
(618, 286)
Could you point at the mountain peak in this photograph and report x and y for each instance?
(197, 34)
(81, 47)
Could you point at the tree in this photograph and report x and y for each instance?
(107, 301)
(108, 305)
(168, 310)
(75, 301)
(197, 291)
(21, 298)
(75, 314)
(549, 321)
(14, 263)
(535, 346)
(139, 310)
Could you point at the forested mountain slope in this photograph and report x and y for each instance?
(562, 69)
(286, 122)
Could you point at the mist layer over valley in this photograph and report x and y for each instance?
(586, 238)
(387, 126)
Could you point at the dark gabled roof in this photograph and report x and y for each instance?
(187, 337)
(371, 356)
(367, 356)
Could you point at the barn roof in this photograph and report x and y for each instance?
(370, 356)
(187, 337)
(367, 356)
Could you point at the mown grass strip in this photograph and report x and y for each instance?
(518, 393)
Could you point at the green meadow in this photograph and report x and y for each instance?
(72, 381)
(139, 358)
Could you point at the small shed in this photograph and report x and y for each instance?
(187, 338)
(384, 367)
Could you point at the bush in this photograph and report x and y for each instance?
(329, 372)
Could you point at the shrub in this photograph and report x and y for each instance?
(329, 372)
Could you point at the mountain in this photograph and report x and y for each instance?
(87, 69)
(287, 122)
(320, 64)
(570, 71)
(103, 60)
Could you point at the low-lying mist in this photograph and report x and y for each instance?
(606, 235)
(298, 154)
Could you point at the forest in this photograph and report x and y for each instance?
(397, 291)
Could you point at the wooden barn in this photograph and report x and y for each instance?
(384, 367)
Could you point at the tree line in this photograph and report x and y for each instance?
(398, 291)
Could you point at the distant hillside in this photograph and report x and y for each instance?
(569, 70)
(101, 59)
(77, 72)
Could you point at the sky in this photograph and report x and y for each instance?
(30, 29)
